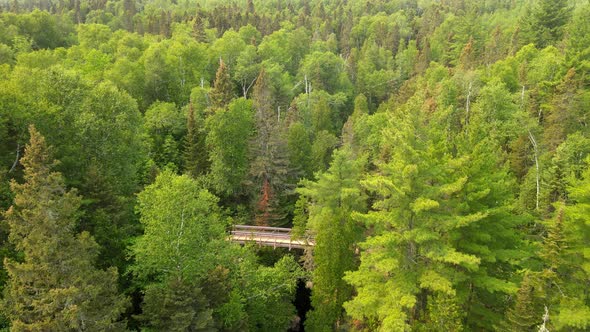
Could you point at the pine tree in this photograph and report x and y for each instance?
(222, 92)
(333, 199)
(361, 109)
(55, 287)
(442, 225)
(563, 118)
(199, 28)
(444, 314)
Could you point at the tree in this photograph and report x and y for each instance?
(55, 287)
(574, 311)
(299, 149)
(183, 234)
(440, 227)
(525, 314)
(578, 41)
(550, 18)
(222, 92)
(332, 200)
(269, 168)
(195, 154)
(247, 69)
(325, 71)
(228, 138)
(164, 125)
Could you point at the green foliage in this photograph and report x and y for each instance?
(222, 93)
(432, 226)
(229, 134)
(195, 156)
(181, 222)
(183, 232)
(331, 202)
(525, 315)
(55, 286)
(550, 18)
(469, 119)
(573, 309)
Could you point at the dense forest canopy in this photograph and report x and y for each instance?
(436, 150)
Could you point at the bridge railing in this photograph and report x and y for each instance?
(269, 236)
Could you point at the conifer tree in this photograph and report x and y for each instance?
(195, 155)
(525, 314)
(55, 287)
(550, 18)
(444, 314)
(333, 199)
(222, 92)
(270, 167)
(574, 310)
(441, 226)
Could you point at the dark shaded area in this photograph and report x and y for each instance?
(302, 303)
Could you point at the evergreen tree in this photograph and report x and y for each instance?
(195, 155)
(440, 226)
(55, 287)
(270, 166)
(333, 199)
(525, 314)
(178, 306)
(444, 314)
(222, 92)
(574, 310)
(550, 18)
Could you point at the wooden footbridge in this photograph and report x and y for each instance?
(269, 236)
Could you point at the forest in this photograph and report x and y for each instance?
(437, 151)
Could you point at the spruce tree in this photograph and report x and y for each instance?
(270, 167)
(195, 155)
(525, 314)
(222, 92)
(55, 287)
(550, 18)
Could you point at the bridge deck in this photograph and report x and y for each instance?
(268, 236)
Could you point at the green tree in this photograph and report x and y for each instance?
(228, 139)
(440, 227)
(247, 69)
(183, 234)
(222, 92)
(574, 311)
(164, 125)
(550, 18)
(270, 165)
(195, 154)
(525, 314)
(332, 200)
(55, 286)
(299, 149)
